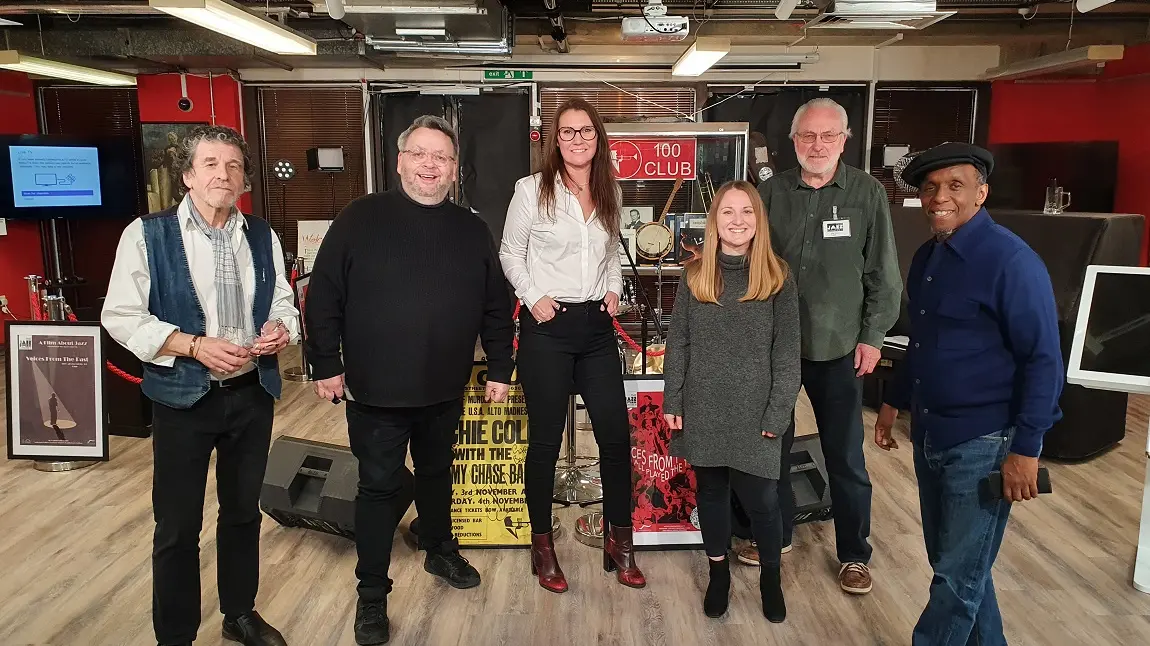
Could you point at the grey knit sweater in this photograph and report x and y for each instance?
(732, 371)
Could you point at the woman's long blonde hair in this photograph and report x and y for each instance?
(768, 271)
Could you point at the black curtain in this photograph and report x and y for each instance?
(398, 111)
(494, 152)
(770, 111)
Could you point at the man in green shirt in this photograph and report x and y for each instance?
(831, 223)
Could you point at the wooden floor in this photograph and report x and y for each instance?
(75, 567)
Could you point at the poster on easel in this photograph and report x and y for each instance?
(54, 373)
(309, 238)
(663, 487)
(488, 503)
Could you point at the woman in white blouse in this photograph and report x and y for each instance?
(560, 252)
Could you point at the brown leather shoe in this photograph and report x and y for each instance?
(855, 578)
(545, 565)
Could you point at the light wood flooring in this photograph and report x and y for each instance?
(75, 566)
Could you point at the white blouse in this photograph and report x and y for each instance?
(568, 259)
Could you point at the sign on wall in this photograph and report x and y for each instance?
(662, 158)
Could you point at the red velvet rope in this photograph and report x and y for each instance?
(618, 328)
(123, 375)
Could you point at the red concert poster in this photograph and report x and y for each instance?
(663, 489)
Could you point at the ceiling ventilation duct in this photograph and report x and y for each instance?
(879, 14)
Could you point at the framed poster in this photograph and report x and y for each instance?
(633, 217)
(161, 143)
(54, 373)
(663, 487)
(488, 504)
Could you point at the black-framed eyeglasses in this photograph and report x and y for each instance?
(586, 133)
(827, 137)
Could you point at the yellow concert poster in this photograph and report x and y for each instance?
(488, 507)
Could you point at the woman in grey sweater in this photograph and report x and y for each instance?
(731, 380)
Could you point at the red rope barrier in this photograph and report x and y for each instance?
(123, 375)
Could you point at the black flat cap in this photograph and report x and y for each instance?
(945, 156)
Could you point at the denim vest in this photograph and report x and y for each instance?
(173, 299)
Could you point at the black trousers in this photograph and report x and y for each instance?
(759, 498)
(379, 440)
(237, 423)
(836, 397)
(574, 352)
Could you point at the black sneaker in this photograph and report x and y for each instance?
(371, 625)
(250, 629)
(453, 568)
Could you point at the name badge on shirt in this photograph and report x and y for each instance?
(836, 228)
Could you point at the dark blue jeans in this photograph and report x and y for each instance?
(963, 531)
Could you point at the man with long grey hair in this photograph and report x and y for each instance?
(198, 292)
(832, 225)
(403, 285)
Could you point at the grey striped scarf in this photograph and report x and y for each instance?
(235, 322)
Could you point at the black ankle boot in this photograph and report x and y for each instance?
(771, 589)
(718, 590)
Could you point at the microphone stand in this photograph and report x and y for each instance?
(646, 301)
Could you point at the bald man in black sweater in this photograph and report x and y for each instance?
(403, 284)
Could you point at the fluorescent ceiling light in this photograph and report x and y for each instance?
(414, 8)
(421, 31)
(13, 60)
(232, 20)
(783, 11)
(703, 53)
(9, 23)
(1091, 5)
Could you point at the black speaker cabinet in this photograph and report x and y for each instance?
(809, 480)
(313, 484)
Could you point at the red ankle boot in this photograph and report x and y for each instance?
(619, 557)
(545, 565)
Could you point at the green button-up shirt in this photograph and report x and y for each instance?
(839, 243)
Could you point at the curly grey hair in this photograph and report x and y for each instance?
(434, 123)
(187, 150)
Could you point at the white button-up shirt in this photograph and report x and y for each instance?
(126, 315)
(567, 258)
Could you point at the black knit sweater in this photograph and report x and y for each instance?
(404, 290)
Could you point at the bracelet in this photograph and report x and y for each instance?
(195, 346)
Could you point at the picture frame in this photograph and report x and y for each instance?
(633, 217)
(56, 399)
(627, 245)
(160, 144)
(301, 286)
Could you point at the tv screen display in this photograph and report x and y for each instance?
(1111, 347)
(44, 177)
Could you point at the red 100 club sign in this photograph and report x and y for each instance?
(653, 158)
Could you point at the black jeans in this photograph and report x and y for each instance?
(759, 497)
(574, 352)
(836, 397)
(237, 423)
(379, 440)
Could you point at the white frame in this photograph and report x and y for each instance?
(1089, 378)
(14, 330)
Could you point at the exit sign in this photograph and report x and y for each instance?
(507, 75)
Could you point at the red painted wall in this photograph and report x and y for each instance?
(217, 102)
(20, 252)
(1115, 107)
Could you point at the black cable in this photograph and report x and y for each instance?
(642, 290)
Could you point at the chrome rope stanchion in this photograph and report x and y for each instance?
(576, 483)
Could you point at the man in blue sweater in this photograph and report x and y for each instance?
(981, 378)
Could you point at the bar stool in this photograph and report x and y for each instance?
(577, 480)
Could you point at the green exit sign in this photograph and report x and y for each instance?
(507, 75)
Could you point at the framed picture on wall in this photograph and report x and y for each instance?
(161, 142)
(633, 217)
(54, 373)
